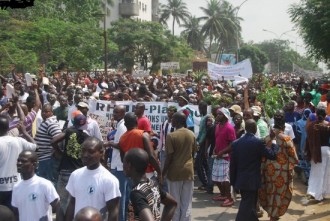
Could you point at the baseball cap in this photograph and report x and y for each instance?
(79, 122)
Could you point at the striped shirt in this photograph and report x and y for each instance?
(28, 121)
(48, 129)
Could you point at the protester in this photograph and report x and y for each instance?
(318, 152)
(200, 159)
(88, 214)
(135, 138)
(116, 162)
(245, 166)
(48, 155)
(10, 148)
(73, 137)
(93, 128)
(143, 122)
(87, 184)
(224, 136)
(166, 128)
(276, 185)
(178, 169)
(33, 196)
(146, 196)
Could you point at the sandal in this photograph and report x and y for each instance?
(227, 203)
(219, 198)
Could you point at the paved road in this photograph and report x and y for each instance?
(206, 209)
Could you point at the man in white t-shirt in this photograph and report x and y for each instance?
(116, 163)
(93, 185)
(10, 148)
(33, 196)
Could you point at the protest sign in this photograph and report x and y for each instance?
(10, 91)
(29, 79)
(104, 124)
(217, 72)
(169, 65)
(155, 111)
(140, 73)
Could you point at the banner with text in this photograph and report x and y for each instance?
(228, 72)
(102, 112)
(169, 65)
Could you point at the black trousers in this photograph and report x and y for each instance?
(5, 198)
(247, 207)
(202, 167)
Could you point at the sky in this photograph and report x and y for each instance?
(257, 15)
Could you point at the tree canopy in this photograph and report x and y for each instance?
(146, 42)
(312, 19)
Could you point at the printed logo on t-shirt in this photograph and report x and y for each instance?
(91, 190)
(33, 197)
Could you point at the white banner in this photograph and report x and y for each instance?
(155, 111)
(169, 65)
(243, 69)
(140, 73)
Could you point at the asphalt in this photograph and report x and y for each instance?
(204, 208)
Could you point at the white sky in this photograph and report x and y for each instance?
(258, 15)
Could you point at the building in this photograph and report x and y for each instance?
(141, 10)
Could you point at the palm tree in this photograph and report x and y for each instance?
(175, 8)
(192, 33)
(221, 22)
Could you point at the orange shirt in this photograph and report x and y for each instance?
(133, 139)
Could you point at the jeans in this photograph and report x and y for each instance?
(125, 191)
(162, 157)
(45, 170)
(63, 180)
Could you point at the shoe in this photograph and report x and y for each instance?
(260, 214)
(209, 191)
(202, 188)
(227, 203)
(219, 198)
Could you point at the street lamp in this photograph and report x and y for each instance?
(104, 15)
(237, 39)
(278, 51)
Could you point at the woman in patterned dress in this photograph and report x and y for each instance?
(276, 181)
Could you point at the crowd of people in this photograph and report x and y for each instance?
(54, 159)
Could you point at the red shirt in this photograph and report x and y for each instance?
(144, 124)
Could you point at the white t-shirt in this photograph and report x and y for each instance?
(116, 162)
(10, 148)
(93, 188)
(32, 197)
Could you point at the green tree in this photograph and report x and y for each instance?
(280, 50)
(257, 57)
(192, 33)
(145, 42)
(74, 11)
(49, 41)
(312, 18)
(177, 9)
(221, 24)
(275, 50)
